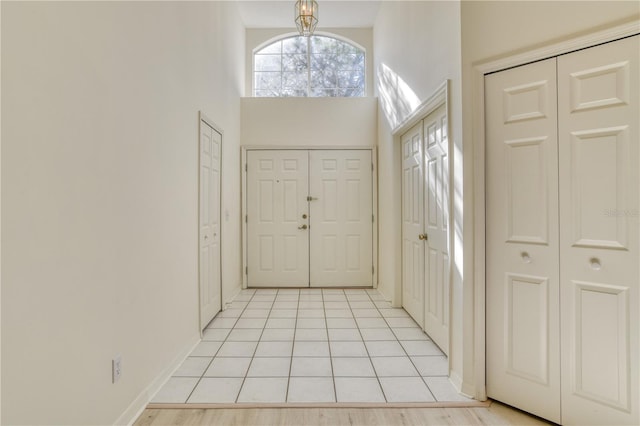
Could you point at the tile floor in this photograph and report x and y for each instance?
(311, 345)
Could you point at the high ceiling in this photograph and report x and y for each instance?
(332, 13)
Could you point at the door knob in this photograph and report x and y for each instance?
(423, 237)
(302, 227)
(304, 216)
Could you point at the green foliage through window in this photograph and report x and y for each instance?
(309, 66)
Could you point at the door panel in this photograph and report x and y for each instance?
(341, 212)
(209, 234)
(278, 247)
(599, 186)
(413, 218)
(522, 268)
(436, 319)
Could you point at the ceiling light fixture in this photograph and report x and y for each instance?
(306, 13)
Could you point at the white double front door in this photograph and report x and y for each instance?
(309, 218)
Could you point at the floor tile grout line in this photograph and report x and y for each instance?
(293, 347)
(246, 374)
(368, 354)
(405, 351)
(333, 376)
(217, 351)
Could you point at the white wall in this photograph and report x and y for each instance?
(309, 121)
(491, 30)
(256, 37)
(99, 195)
(416, 47)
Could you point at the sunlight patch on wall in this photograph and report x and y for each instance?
(396, 97)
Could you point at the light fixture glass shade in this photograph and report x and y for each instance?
(306, 15)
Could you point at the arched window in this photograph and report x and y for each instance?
(309, 66)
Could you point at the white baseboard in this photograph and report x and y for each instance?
(138, 405)
(233, 293)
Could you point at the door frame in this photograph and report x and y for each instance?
(475, 155)
(439, 97)
(202, 118)
(243, 196)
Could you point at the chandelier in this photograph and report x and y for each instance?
(306, 13)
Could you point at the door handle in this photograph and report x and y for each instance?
(310, 198)
(423, 237)
(302, 227)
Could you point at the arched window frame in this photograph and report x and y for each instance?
(282, 37)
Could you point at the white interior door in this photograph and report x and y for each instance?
(277, 230)
(599, 190)
(522, 318)
(413, 249)
(209, 235)
(341, 218)
(437, 261)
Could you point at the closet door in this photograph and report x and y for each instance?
(277, 228)
(522, 319)
(599, 190)
(341, 218)
(209, 224)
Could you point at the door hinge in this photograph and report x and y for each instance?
(371, 166)
(373, 218)
(373, 270)
(246, 218)
(246, 270)
(246, 167)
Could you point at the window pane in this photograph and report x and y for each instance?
(275, 48)
(268, 94)
(323, 93)
(350, 92)
(268, 81)
(267, 62)
(330, 79)
(292, 80)
(294, 63)
(295, 45)
(317, 79)
(321, 62)
(294, 92)
(350, 79)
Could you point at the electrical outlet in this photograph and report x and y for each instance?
(116, 368)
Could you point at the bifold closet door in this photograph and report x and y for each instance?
(341, 218)
(599, 212)
(522, 287)
(277, 227)
(209, 226)
(563, 236)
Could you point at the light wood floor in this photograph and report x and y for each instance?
(495, 414)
